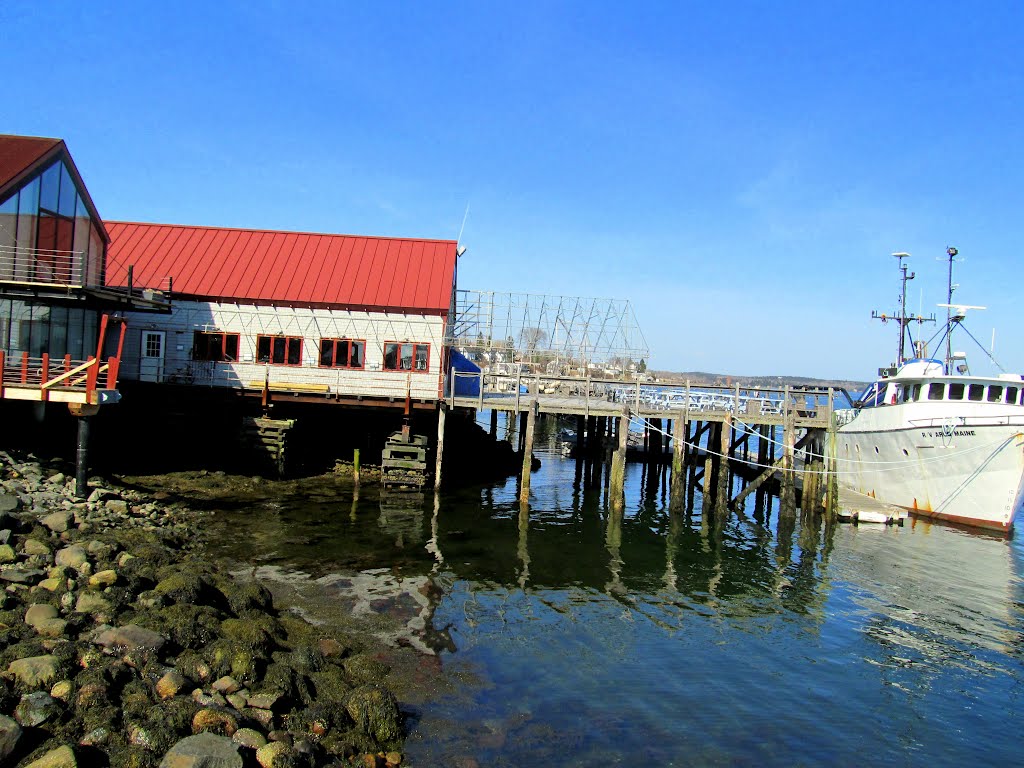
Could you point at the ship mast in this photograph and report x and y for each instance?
(951, 252)
(904, 320)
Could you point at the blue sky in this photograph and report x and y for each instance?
(739, 171)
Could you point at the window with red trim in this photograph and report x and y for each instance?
(342, 353)
(406, 356)
(214, 345)
(279, 350)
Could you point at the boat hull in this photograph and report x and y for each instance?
(965, 471)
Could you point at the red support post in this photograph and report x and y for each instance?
(24, 367)
(67, 363)
(113, 364)
(103, 336)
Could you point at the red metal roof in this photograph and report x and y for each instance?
(18, 154)
(292, 268)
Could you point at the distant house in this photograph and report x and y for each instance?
(320, 316)
(53, 298)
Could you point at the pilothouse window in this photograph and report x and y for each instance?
(956, 391)
(1011, 395)
(995, 394)
(976, 392)
(936, 391)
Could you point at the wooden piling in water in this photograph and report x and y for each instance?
(531, 425)
(677, 492)
(709, 472)
(724, 445)
(441, 418)
(788, 495)
(494, 423)
(617, 474)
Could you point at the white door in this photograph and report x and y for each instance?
(151, 362)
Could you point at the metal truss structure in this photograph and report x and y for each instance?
(557, 335)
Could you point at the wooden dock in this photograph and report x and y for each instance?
(712, 426)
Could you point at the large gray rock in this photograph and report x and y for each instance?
(9, 502)
(21, 575)
(206, 750)
(130, 638)
(73, 557)
(35, 671)
(39, 612)
(10, 732)
(35, 709)
(57, 522)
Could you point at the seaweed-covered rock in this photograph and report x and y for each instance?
(10, 733)
(244, 595)
(375, 712)
(189, 626)
(36, 708)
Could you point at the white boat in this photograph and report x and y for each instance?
(932, 438)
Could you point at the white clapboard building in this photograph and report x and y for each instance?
(318, 316)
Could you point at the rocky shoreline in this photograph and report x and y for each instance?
(122, 645)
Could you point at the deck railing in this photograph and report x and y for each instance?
(42, 266)
(50, 373)
(642, 397)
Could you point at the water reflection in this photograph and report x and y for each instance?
(728, 638)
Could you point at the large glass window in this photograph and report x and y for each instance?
(976, 392)
(406, 356)
(995, 394)
(49, 191)
(68, 193)
(45, 231)
(279, 350)
(935, 391)
(215, 346)
(342, 353)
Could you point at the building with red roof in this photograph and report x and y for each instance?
(320, 316)
(54, 303)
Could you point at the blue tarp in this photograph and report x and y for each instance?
(464, 386)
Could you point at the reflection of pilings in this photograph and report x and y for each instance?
(433, 547)
(675, 530)
(522, 550)
(613, 540)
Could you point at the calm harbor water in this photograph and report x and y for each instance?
(581, 639)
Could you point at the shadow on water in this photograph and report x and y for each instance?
(589, 637)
